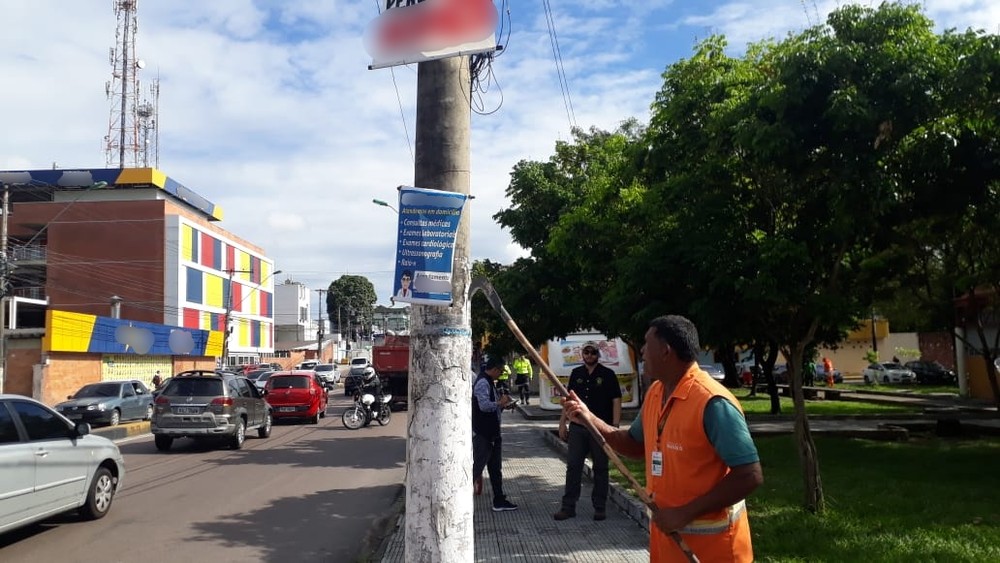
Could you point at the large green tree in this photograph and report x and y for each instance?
(949, 173)
(567, 213)
(350, 299)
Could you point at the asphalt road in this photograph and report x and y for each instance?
(307, 493)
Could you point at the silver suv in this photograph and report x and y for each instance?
(205, 404)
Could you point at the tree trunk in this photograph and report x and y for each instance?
(808, 456)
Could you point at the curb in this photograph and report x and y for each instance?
(626, 502)
(379, 536)
(122, 431)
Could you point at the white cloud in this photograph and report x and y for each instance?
(268, 110)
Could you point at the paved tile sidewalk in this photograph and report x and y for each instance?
(533, 478)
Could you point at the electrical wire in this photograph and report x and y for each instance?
(399, 100)
(560, 69)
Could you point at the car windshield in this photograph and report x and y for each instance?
(891, 365)
(98, 390)
(324, 367)
(194, 387)
(289, 382)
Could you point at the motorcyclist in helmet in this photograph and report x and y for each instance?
(370, 382)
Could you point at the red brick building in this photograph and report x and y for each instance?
(80, 239)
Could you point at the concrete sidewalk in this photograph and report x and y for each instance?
(533, 475)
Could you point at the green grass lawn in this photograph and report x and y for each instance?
(923, 500)
(761, 405)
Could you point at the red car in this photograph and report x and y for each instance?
(296, 394)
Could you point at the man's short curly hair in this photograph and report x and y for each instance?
(679, 333)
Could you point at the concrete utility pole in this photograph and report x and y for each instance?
(229, 312)
(439, 451)
(4, 282)
(319, 333)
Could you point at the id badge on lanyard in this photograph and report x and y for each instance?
(657, 468)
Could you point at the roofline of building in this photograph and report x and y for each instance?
(116, 178)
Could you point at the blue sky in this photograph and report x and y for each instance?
(267, 107)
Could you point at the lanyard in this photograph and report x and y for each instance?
(662, 422)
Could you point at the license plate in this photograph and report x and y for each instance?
(287, 409)
(187, 410)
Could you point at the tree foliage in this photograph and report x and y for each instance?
(776, 196)
(351, 299)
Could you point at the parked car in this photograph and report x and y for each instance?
(208, 404)
(308, 364)
(887, 372)
(328, 374)
(261, 379)
(51, 465)
(714, 371)
(296, 394)
(109, 402)
(931, 373)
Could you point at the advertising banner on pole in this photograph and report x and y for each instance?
(412, 31)
(425, 245)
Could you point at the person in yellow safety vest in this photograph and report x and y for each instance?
(503, 380)
(522, 377)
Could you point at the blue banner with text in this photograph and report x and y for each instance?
(425, 245)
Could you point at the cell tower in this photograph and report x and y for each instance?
(122, 141)
(149, 129)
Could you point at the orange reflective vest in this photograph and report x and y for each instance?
(690, 469)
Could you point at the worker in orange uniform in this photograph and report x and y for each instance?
(701, 462)
(828, 371)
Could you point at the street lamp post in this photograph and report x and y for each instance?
(384, 203)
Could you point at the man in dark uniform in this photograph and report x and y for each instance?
(597, 386)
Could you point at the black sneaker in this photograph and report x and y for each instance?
(503, 505)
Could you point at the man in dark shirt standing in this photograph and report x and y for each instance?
(597, 386)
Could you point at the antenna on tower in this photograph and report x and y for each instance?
(122, 140)
(149, 126)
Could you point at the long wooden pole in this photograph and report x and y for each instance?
(482, 284)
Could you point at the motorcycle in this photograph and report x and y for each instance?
(366, 408)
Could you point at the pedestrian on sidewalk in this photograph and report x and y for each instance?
(700, 460)
(828, 371)
(487, 449)
(522, 377)
(597, 386)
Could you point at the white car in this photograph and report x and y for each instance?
(51, 466)
(359, 365)
(327, 373)
(888, 372)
